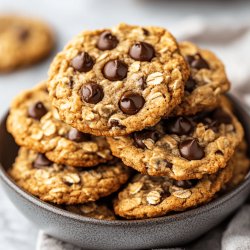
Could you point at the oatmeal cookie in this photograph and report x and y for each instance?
(241, 167)
(207, 81)
(61, 184)
(92, 209)
(23, 42)
(33, 124)
(153, 196)
(116, 81)
(182, 147)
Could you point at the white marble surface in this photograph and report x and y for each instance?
(68, 17)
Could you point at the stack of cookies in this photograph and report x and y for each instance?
(130, 112)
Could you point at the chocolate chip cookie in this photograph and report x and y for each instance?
(207, 81)
(92, 209)
(154, 196)
(116, 81)
(182, 147)
(33, 124)
(63, 184)
(23, 42)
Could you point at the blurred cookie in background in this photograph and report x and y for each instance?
(23, 41)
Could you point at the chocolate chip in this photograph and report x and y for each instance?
(37, 110)
(214, 119)
(140, 136)
(199, 117)
(92, 93)
(22, 33)
(185, 184)
(115, 70)
(214, 125)
(191, 150)
(77, 136)
(142, 51)
(165, 194)
(145, 32)
(197, 62)
(200, 63)
(142, 83)
(168, 164)
(221, 116)
(41, 161)
(219, 152)
(82, 62)
(107, 41)
(189, 59)
(130, 103)
(190, 84)
(177, 125)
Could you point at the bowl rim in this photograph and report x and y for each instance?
(139, 222)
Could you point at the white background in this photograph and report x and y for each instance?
(68, 17)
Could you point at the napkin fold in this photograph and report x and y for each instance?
(230, 41)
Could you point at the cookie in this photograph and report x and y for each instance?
(241, 167)
(182, 147)
(153, 196)
(61, 184)
(207, 81)
(31, 121)
(93, 210)
(116, 81)
(23, 41)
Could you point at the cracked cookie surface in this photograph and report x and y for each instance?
(116, 81)
(23, 42)
(62, 184)
(207, 81)
(182, 147)
(92, 209)
(153, 196)
(33, 124)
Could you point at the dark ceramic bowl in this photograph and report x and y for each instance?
(172, 230)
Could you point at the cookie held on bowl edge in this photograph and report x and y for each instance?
(116, 81)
